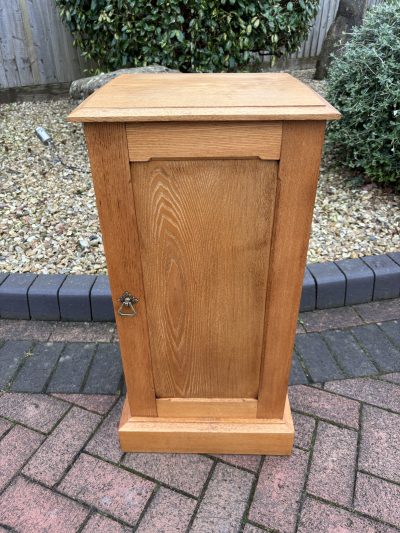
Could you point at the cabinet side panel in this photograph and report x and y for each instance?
(205, 231)
(297, 183)
(109, 160)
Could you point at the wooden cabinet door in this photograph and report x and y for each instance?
(214, 249)
(204, 229)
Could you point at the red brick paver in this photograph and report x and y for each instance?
(379, 311)
(101, 524)
(36, 411)
(83, 332)
(252, 529)
(393, 377)
(378, 498)
(304, 427)
(169, 512)
(97, 488)
(279, 489)
(342, 317)
(15, 449)
(225, 501)
(98, 403)
(25, 330)
(187, 472)
(380, 443)
(373, 391)
(105, 442)
(314, 401)
(4, 426)
(57, 453)
(333, 464)
(108, 488)
(318, 517)
(30, 508)
(250, 462)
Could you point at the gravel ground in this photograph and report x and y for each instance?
(49, 219)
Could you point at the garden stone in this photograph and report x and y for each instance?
(83, 243)
(83, 87)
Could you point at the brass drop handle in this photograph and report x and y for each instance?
(128, 302)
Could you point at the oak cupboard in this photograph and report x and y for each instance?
(205, 185)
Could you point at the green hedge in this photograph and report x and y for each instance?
(364, 84)
(189, 35)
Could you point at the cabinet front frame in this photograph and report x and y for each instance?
(111, 148)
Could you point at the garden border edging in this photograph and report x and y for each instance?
(83, 297)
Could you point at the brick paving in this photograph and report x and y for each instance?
(83, 357)
(61, 468)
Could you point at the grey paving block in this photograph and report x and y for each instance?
(318, 360)
(351, 357)
(3, 276)
(101, 301)
(297, 374)
(387, 276)
(331, 285)
(105, 372)
(74, 297)
(384, 354)
(72, 368)
(308, 293)
(392, 330)
(12, 354)
(359, 281)
(43, 297)
(14, 296)
(38, 367)
(395, 256)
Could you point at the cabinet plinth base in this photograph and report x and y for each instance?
(189, 435)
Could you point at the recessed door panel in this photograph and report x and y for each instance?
(205, 232)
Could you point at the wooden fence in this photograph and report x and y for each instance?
(326, 15)
(36, 48)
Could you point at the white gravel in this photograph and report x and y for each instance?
(49, 220)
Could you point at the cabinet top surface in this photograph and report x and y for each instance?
(192, 97)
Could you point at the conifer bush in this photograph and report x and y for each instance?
(364, 85)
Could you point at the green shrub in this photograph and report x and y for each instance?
(364, 85)
(190, 35)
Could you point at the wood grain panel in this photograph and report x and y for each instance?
(213, 140)
(109, 161)
(297, 183)
(207, 407)
(205, 229)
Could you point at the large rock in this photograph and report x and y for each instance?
(85, 86)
